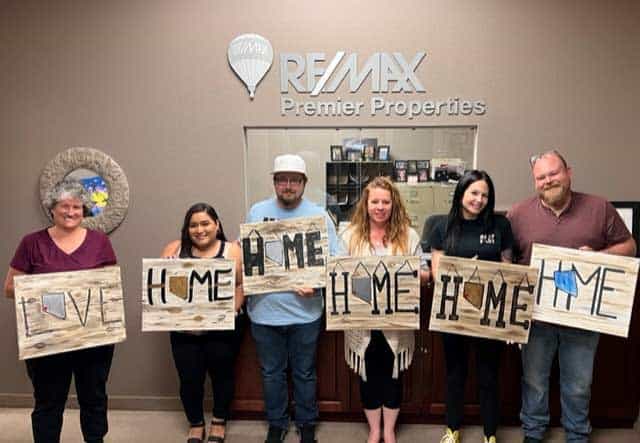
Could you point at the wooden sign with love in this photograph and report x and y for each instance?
(66, 311)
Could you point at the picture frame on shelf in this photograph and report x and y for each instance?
(423, 170)
(400, 164)
(369, 153)
(353, 143)
(383, 152)
(353, 149)
(400, 171)
(336, 153)
(369, 148)
(422, 164)
(353, 154)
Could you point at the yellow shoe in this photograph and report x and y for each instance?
(491, 439)
(450, 437)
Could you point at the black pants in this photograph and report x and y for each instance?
(456, 350)
(51, 378)
(214, 352)
(380, 389)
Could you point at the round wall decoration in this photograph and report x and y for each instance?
(100, 175)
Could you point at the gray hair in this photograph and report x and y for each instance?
(64, 189)
(534, 158)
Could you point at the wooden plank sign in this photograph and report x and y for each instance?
(67, 311)
(188, 294)
(283, 255)
(483, 299)
(584, 289)
(377, 292)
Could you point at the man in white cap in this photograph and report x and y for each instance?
(286, 325)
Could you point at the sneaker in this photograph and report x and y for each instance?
(531, 440)
(491, 439)
(450, 436)
(307, 434)
(275, 435)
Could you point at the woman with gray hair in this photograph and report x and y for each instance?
(66, 246)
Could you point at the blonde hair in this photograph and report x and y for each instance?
(397, 230)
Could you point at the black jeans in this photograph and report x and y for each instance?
(456, 350)
(380, 389)
(213, 352)
(51, 378)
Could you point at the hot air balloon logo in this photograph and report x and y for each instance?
(250, 56)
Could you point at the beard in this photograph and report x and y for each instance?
(554, 195)
(289, 198)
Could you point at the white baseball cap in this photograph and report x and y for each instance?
(289, 163)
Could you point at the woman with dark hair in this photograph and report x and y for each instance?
(472, 230)
(380, 226)
(197, 353)
(66, 246)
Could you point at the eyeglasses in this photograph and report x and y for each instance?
(282, 181)
(534, 158)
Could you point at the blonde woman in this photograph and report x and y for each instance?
(380, 226)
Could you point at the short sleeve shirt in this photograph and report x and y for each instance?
(37, 253)
(287, 308)
(588, 221)
(474, 240)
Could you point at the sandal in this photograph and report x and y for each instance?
(217, 438)
(196, 439)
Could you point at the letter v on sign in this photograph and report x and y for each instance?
(83, 320)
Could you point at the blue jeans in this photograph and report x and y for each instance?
(279, 346)
(576, 352)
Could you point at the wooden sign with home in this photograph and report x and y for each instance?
(188, 294)
(377, 292)
(584, 289)
(284, 255)
(66, 311)
(483, 299)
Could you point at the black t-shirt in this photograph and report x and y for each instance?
(474, 241)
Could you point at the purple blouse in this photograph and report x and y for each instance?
(38, 254)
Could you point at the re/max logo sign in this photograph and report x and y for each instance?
(386, 72)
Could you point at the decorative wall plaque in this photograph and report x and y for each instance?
(108, 187)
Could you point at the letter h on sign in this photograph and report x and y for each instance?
(345, 292)
(151, 286)
(253, 259)
(457, 281)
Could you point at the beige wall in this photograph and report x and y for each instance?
(148, 83)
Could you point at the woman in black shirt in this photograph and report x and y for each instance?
(472, 230)
(197, 353)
